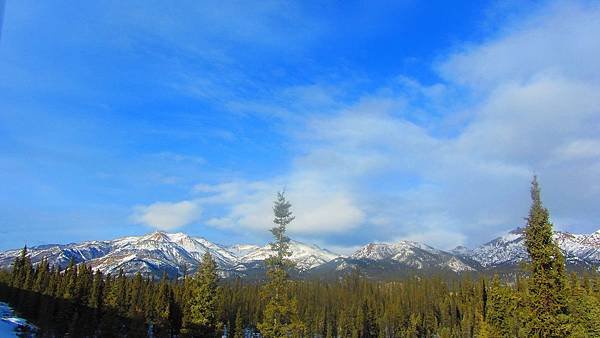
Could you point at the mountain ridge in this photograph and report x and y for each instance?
(178, 254)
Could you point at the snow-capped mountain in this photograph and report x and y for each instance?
(306, 256)
(504, 250)
(400, 259)
(158, 252)
(179, 253)
(240, 250)
(509, 249)
(60, 254)
(413, 254)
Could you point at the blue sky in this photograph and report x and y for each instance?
(413, 120)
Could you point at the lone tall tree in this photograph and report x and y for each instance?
(280, 317)
(548, 297)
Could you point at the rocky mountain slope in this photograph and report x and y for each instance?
(159, 252)
(413, 254)
(509, 250)
(178, 254)
(306, 256)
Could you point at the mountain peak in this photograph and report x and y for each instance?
(159, 236)
(461, 250)
(517, 231)
(160, 251)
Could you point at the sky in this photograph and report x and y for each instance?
(382, 121)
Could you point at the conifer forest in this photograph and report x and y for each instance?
(540, 300)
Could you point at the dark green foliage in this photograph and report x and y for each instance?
(280, 317)
(547, 301)
(200, 315)
(239, 325)
(350, 307)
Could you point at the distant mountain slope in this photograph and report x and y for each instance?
(396, 259)
(414, 254)
(59, 254)
(178, 254)
(306, 256)
(159, 252)
(509, 249)
(240, 250)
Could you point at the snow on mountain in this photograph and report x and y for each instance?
(159, 252)
(504, 250)
(179, 253)
(150, 254)
(509, 249)
(240, 250)
(58, 254)
(197, 246)
(585, 247)
(306, 256)
(413, 254)
(154, 253)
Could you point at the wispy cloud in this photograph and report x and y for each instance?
(167, 215)
(373, 164)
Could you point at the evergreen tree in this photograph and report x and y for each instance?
(42, 276)
(584, 309)
(499, 309)
(21, 270)
(239, 325)
(548, 299)
(96, 294)
(70, 290)
(202, 319)
(162, 307)
(280, 317)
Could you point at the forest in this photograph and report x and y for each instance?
(543, 300)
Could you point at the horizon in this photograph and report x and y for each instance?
(348, 251)
(417, 121)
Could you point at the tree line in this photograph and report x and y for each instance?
(543, 301)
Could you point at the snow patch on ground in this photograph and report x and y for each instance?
(11, 325)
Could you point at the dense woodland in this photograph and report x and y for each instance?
(542, 301)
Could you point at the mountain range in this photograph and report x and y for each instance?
(178, 254)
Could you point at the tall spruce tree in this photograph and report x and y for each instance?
(280, 317)
(548, 301)
(239, 325)
(163, 308)
(202, 319)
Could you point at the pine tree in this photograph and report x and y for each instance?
(280, 317)
(584, 309)
(96, 294)
(239, 325)
(42, 276)
(70, 290)
(22, 270)
(499, 309)
(162, 306)
(548, 298)
(202, 317)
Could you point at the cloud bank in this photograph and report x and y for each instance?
(167, 216)
(384, 165)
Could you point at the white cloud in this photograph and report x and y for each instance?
(559, 39)
(376, 167)
(438, 238)
(167, 215)
(249, 205)
(579, 149)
